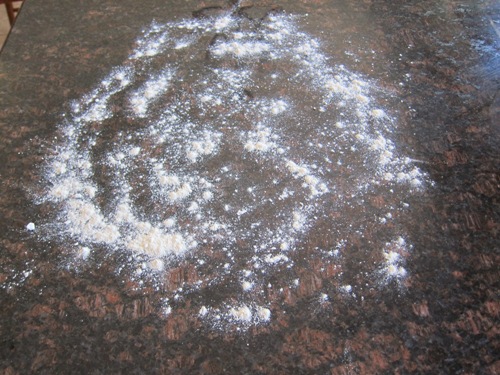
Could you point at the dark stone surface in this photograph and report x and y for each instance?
(93, 322)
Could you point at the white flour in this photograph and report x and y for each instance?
(224, 156)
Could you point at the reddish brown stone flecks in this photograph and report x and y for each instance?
(445, 321)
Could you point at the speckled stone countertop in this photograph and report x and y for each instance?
(441, 60)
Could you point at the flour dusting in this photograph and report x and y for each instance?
(230, 164)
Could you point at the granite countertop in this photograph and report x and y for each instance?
(375, 277)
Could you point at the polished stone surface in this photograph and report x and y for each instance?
(92, 320)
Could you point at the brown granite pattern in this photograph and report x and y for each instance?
(93, 321)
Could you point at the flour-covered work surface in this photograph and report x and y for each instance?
(250, 187)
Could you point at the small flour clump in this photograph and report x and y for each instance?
(394, 254)
(199, 148)
(155, 243)
(264, 314)
(242, 313)
(246, 285)
(259, 140)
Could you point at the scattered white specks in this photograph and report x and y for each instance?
(231, 160)
(241, 49)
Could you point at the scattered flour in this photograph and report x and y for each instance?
(250, 49)
(212, 156)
